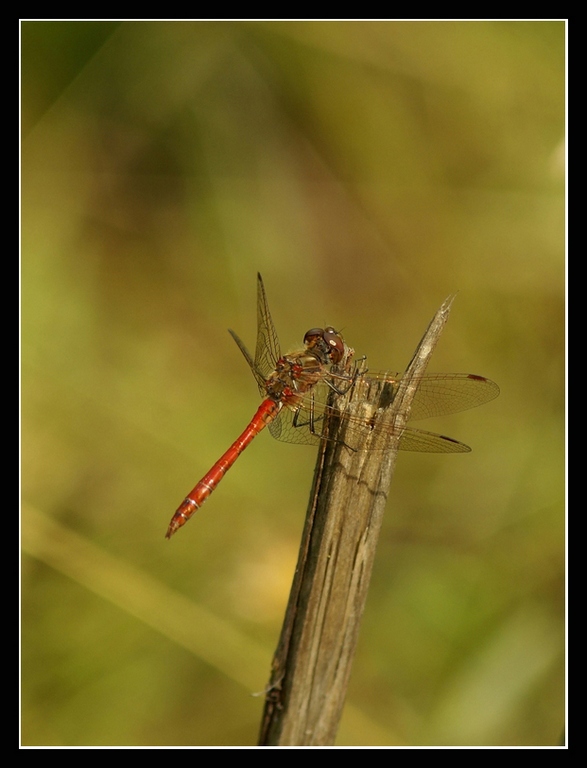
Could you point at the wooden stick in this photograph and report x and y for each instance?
(312, 663)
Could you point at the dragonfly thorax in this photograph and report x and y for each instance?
(294, 375)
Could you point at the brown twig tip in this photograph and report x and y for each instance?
(313, 660)
(318, 396)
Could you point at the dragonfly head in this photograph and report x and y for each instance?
(326, 343)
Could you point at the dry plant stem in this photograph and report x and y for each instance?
(312, 663)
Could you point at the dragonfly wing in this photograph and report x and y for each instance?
(267, 352)
(260, 379)
(440, 394)
(293, 427)
(430, 442)
(303, 421)
(304, 425)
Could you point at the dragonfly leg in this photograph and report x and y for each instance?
(310, 422)
(348, 379)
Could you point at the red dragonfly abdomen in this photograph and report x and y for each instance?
(266, 413)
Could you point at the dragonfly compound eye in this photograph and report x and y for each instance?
(335, 344)
(312, 336)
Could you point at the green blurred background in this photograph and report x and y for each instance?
(367, 170)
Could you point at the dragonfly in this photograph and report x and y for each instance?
(296, 389)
